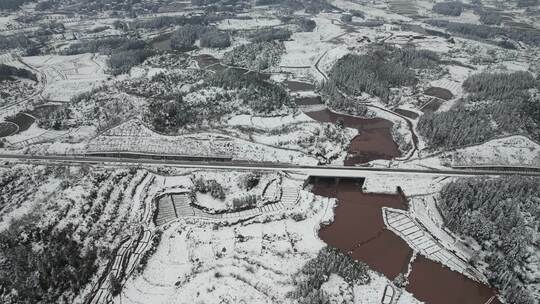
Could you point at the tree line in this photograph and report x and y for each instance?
(451, 8)
(382, 68)
(498, 86)
(124, 52)
(19, 41)
(184, 38)
(260, 95)
(7, 72)
(270, 34)
(167, 21)
(256, 56)
(12, 4)
(43, 275)
(310, 6)
(498, 103)
(316, 272)
(336, 101)
(482, 31)
(304, 24)
(225, 92)
(502, 215)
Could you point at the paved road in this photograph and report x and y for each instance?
(322, 171)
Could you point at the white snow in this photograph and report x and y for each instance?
(68, 76)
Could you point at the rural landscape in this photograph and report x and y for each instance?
(270, 151)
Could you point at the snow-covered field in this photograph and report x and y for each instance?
(297, 55)
(252, 262)
(510, 151)
(68, 76)
(247, 24)
(266, 190)
(249, 262)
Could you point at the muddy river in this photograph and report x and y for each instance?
(432, 283)
(358, 230)
(23, 120)
(374, 139)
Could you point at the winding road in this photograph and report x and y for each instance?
(409, 123)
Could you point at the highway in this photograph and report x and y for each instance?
(321, 171)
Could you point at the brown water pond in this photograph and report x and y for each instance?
(162, 43)
(439, 93)
(432, 283)
(23, 120)
(298, 86)
(358, 230)
(407, 113)
(205, 61)
(309, 101)
(7, 129)
(374, 140)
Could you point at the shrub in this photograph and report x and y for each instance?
(7, 71)
(355, 74)
(98, 29)
(58, 270)
(269, 34)
(454, 8)
(306, 25)
(316, 272)
(357, 13)
(498, 85)
(46, 5)
(12, 4)
(439, 128)
(57, 119)
(185, 36)
(115, 286)
(156, 239)
(488, 111)
(204, 186)
(166, 21)
(527, 3)
(121, 61)
(501, 214)
(214, 38)
(249, 181)
(260, 95)
(245, 202)
(483, 31)
(336, 101)
(490, 18)
(104, 46)
(216, 190)
(17, 41)
(380, 69)
(256, 56)
(169, 115)
(346, 18)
